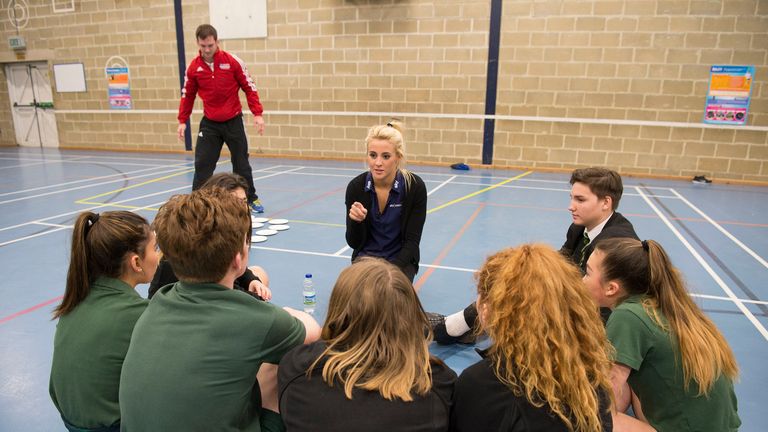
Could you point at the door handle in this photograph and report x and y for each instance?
(41, 105)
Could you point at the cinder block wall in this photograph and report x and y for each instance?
(330, 68)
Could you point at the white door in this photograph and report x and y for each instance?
(32, 104)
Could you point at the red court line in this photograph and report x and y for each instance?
(301, 204)
(32, 309)
(648, 216)
(447, 248)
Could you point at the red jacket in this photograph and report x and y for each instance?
(218, 88)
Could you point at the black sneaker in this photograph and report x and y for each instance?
(700, 179)
(435, 319)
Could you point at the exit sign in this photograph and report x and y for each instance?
(17, 43)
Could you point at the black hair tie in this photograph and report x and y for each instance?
(645, 245)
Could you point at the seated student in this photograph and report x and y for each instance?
(547, 368)
(386, 205)
(255, 279)
(195, 353)
(372, 369)
(595, 196)
(671, 362)
(111, 254)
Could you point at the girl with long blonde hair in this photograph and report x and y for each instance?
(372, 369)
(672, 363)
(386, 205)
(548, 364)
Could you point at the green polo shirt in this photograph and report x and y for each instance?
(657, 375)
(88, 352)
(193, 359)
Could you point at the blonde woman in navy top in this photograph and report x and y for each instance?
(386, 205)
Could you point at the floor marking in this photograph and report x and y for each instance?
(440, 185)
(342, 250)
(465, 197)
(74, 212)
(81, 187)
(90, 180)
(86, 200)
(328, 224)
(444, 252)
(28, 310)
(707, 268)
(348, 257)
(53, 225)
(27, 165)
(722, 230)
(712, 297)
(119, 157)
(155, 180)
(5, 243)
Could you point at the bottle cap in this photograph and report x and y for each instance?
(308, 275)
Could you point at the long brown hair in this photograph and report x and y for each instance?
(99, 246)
(644, 268)
(375, 333)
(548, 342)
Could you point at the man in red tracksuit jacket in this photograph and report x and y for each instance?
(218, 76)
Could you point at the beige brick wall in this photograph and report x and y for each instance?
(645, 61)
(601, 60)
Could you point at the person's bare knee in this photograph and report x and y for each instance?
(261, 274)
(267, 378)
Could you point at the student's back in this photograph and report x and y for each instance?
(372, 371)
(111, 253)
(309, 404)
(193, 360)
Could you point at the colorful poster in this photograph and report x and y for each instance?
(729, 92)
(118, 88)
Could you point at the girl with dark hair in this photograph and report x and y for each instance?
(672, 363)
(372, 369)
(254, 280)
(111, 254)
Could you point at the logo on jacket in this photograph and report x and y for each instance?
(224, 66)
(199, 69)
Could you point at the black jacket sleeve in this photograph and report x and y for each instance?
(356, 231)
(164, 275)
(413, 225)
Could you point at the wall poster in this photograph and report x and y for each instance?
(729, 92)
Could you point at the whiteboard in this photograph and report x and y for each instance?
(69, 77)
(239, 19)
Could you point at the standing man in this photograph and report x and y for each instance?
(218, 76)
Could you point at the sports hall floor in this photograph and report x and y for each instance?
(716, 234)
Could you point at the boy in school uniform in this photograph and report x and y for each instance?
(203, 356)
(595, 196)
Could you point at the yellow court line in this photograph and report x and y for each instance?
(318, 223)
(83, 201)
(458, 200)
(125, 206)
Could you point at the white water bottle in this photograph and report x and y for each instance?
(310, 297)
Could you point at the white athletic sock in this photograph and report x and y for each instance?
(456, 325)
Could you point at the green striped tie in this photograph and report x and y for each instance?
(584, 244)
